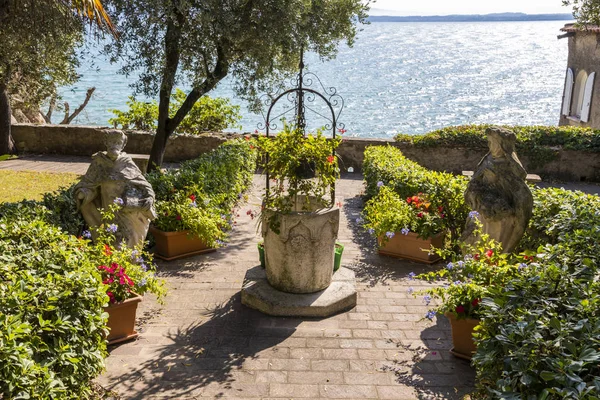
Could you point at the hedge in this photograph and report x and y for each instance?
(51, 312)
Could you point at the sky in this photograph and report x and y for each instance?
(446, 7)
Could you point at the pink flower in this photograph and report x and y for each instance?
(420, 215)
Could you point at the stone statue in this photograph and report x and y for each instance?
(498, 193)
(111, 178)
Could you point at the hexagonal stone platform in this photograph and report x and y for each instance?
(339, 296)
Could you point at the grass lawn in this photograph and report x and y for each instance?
(19, 185)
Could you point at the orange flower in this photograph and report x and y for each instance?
(330, 159)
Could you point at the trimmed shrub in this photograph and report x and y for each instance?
(52, 322)
(387, 166)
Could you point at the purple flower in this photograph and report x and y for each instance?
(522, 266)
(450, 266)
(144, 267)
(457, 282)
(430, 314)
(193, 204)
(223, 216)
(87, 234)
(371, 231)
(118, 201)
(404, 231)
(220, 243)
(379, 184)
(112, 228)
(139, 260)
(470, 276)
(473, 214)
(427, 299)
(411, 276)
(143, 282)
(359, 220)
(390, 235)
(460, 264)
(410, 290)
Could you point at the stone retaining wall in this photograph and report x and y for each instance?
(85, 140)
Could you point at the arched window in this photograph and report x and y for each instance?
(578, 92)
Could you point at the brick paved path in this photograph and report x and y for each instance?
(203, 343)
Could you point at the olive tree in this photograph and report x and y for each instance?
(199, 42)
(586, 12)
(38, 39)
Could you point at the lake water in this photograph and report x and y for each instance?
(409, 78)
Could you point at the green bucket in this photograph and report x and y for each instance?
(261, 254)
(339, 249)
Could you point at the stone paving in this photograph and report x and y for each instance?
(203, 343)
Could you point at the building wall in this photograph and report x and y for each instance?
(85, 141)
(584, 53)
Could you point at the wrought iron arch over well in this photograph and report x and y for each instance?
(300, 100)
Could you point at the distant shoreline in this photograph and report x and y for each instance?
(498, 17)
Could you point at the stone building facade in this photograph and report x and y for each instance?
(581, 95)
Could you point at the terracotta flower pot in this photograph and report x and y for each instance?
(462, 336)
(121, 320)
(411, 246)
(174, 245)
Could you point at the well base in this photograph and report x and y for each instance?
(339, 296)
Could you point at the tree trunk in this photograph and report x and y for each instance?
(172, 48)
(7, 145)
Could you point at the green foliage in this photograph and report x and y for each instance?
(124, 271)
(38, 48)
(386, 166)
(538, 143)
(200, 195)
(292, 157)
(586, 12)
(545, 323)
(207, 114)
(469, 276)
(558, 213)
(141, 115)
(52, 323)
(387, 213)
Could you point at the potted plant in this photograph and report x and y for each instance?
(299, 220)
(194, 203)
(406, 228)
(466, 280)
(187, 224)
(127, 274)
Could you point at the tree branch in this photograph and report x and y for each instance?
(51, 108)
(68, 119)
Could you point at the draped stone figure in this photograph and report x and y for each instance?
(499, 193)
(113, 175)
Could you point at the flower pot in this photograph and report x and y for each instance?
(411, 247)
(261, 254)
(121, 320)
(299, 258)
(174, 245)
(339, 249)
(462, 336)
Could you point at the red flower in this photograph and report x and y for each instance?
(107, 250)
(440, 209)
(460, 309)
(408, 200)
(178, 218)
(342, 131)
(489, 253)
(247, 137)
(420, 215)
(330, 159)
(475, 302)
(193, 197)
(252, 146)
(476, 256)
